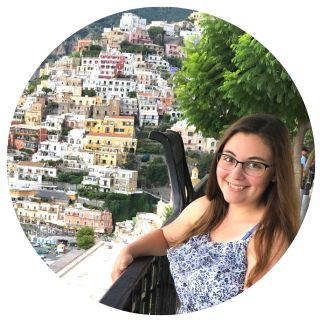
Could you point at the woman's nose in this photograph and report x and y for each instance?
(237, 171)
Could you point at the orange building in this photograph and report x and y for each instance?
(81, 44)
(100, 221)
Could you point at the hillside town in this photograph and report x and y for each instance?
(84, 116)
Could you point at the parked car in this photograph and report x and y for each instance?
(42, 251)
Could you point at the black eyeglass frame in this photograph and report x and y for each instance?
(219, 154)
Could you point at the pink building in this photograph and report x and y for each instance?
(139, 36)
(23, 136)
(100, 221)
(111, 65)
(173, 50)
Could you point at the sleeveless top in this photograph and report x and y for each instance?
(206, 273)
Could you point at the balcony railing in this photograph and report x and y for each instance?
(147, 287)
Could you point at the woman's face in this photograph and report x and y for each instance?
(239, 188)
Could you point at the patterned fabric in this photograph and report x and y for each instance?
(207, 273)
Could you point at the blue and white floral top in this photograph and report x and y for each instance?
(207, 273)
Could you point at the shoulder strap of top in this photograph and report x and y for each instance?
(249, 233)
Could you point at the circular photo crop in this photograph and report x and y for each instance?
(161, 160)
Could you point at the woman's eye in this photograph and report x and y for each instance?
(254, 165)
(228, 159)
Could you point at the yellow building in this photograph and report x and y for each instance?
(111, 39)
(110, 148)
(34, 115)
(88, 101)
(121, 125)
(195, 17)
(195, 176)
(111, 139)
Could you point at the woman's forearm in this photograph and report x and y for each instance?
(151, 244)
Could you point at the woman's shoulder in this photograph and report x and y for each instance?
(186, 219)
(196, 208)
(201, 202)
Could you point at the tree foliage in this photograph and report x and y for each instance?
(174, 61)
(154, 174)
(88, 92)
(127, 46)
(202, 160)
(156, 34)
(227, 74)
(85, 237)
(71, 177)
(125, 207)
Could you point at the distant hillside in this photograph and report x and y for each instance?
(169, 14)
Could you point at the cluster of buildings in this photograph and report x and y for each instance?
(59, 127)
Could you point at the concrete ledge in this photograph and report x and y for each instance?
(77, 260)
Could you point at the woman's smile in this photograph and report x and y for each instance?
(237, 186)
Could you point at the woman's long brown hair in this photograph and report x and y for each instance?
(281, 218)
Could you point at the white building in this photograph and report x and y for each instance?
(77, 159)
(148, 110)
(28, 175)
(129, 63)
(89, 64)
(120, 87)
(74, 120)
(167, 27)
(129, 106)
(144, 222)
(129, 21)
(112, 179)
(187, 33)
(49, 151)
(75, 138)
(158, 61)
(192, 139)
(53, 123)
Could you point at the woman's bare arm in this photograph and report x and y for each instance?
(157, 242)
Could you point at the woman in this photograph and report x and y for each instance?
(225, 241)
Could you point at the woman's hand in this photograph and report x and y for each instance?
(123, 260)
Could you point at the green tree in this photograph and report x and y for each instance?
(71, 177)
(88, 92)
(75, 54)
(155, 173)
(85, 237)
(156, 34)
(227, 74)
(131, 163)
(174, 61)
(46, 90)
(132, 94)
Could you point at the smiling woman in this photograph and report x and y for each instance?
(225, 241)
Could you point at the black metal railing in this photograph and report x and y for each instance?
(147, 287)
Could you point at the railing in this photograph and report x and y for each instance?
(147, 286)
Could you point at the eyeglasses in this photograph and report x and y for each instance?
(251, 168)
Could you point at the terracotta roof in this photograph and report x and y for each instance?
(145, 94)
(122, 117)
(119, 135)
(31, 164)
